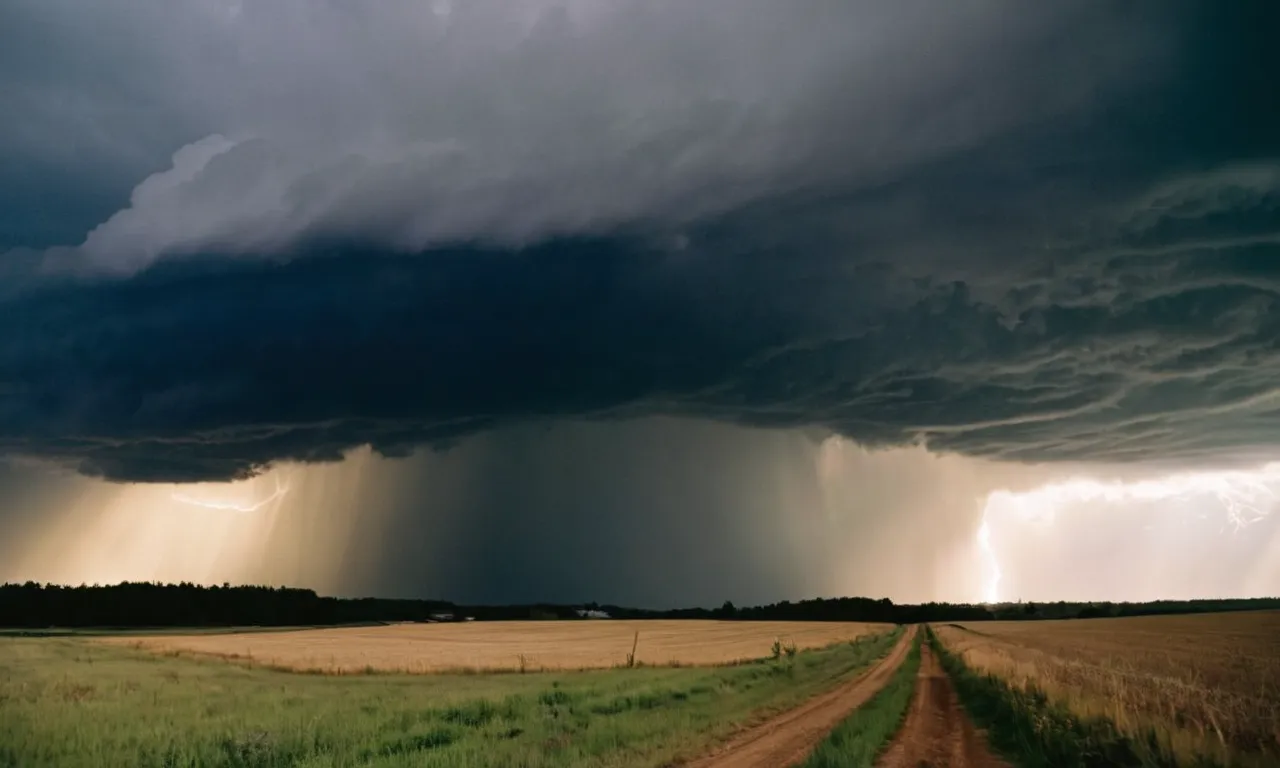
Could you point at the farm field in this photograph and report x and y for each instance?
(1203, 685)
(72, 702)
(489, 646)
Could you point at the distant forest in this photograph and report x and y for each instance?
(38, 606)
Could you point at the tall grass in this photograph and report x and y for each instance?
(71, 703)
(857, 741)
(1034, 731)
(1182, 690)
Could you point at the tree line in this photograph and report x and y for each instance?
(145, 604)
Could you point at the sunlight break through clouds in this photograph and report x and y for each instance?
(1237, 499)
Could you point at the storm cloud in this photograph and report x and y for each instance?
(259, 232)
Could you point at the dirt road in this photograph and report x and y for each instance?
(937, 732)
(788, 738)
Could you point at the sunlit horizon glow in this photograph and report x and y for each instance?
(271, 528)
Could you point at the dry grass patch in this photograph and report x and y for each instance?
(1205, 685)
(508, 646)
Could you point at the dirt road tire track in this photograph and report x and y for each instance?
(789, 738)
(937, 732)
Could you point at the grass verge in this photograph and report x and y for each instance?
(858, 740)
(68, 702)
(1034, 732)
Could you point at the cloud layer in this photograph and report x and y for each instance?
(1000, 230)
(417, 123)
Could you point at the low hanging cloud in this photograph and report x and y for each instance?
(404, 226)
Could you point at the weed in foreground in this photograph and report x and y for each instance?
(631, 657)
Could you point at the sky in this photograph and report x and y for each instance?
(642, 301)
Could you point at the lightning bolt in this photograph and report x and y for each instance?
(1244, 500)
(992, 591)
(281, 490)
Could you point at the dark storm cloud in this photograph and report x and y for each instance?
(1053, 237)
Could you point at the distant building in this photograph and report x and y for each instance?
(588, 613)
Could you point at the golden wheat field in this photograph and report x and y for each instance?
(1205, 684)
(499, 645)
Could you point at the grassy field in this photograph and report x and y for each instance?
(508, 645)
(1179, 688)
(857, 741)
(72, 702)
(1033, 731)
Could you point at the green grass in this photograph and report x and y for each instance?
(1034, 732)
(69, 702)
(858, 740)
